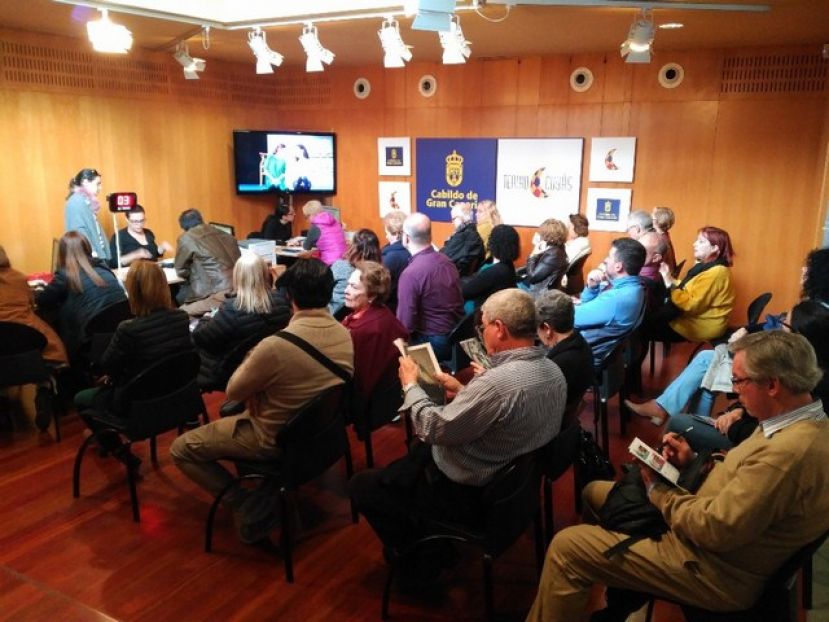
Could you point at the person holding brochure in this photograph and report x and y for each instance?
(504, 412)
(757, 508)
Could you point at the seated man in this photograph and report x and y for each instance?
(767, 500)
(429, 298)
(464, 247)
(507, 411)
(275, 380)
(205, 257)
(606, 317)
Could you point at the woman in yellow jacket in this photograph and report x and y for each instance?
(700, 304)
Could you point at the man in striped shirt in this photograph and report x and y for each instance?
(507, 411)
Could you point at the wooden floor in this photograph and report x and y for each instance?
(85, 559)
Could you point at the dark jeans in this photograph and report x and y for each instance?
(397, 499)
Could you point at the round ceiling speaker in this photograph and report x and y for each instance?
(671, 75)
(427, 85)
(362, 88)
(581, 79)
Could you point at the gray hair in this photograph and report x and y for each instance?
(516, 309)
(419, 228)
(789, 357)
(556, 309)
(641, 219)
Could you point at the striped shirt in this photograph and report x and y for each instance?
(505, 412)
(813, 411)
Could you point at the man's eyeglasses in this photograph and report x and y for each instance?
(736, 381)
(138, 222)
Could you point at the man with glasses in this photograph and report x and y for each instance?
(768, 499)
(507, 411)
(136, 241)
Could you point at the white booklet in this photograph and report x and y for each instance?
(428, 366)
(475, 351)
(648, 455)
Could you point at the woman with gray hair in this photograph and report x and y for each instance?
(568, 349)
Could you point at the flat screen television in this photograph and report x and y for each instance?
(269, 161)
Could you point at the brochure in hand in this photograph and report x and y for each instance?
(428, 366)
(648, 455)
(475, 351)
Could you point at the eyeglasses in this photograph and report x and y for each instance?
(138, 222)
(736, 381)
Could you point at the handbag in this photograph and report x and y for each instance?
(591, 464)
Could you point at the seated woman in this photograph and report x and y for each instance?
(548, 261)
(137, 242)
(568, 349)
(464, 247)
(487, 218)
(698, 307)
(504, 245)
(577, 244)
(372, 325)
(158, 330)
(82, 287)
(365, 246)
(254, 310)
(325, 233)
(663, 219)
(395, 256)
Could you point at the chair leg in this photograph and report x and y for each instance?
(604, 425)
(286, 535)
(57, 412)
(369, 448)
(652, 354)
(349, 463)
(384, 606)
(490, 609)
(807, 584)
(136, 514)
(547, 485)
(539, 543)
(76, 470)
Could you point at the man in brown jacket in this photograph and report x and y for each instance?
(274, 381)
(767, 500)
(205, 257)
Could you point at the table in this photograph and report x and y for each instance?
(169, 273)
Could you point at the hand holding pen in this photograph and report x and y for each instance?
(676, 450)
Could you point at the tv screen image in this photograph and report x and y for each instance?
(292, 162)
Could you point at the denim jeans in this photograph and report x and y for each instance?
(686, 388)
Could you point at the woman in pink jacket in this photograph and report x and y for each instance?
(325, 233)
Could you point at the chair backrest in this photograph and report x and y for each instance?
(313, 439)
(18, 338)
(21, 361)
(557, 455)
(379, 408)
(610, 377)
(678, 270)
(162, 378)
(575, 275)
(511, 502)
(756, 307)
(464, 329)
(235, 357)
(108, 318)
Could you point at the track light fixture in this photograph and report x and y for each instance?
(266, 58)
(395, 52)
(637, 47)
(317, 55)
(455, 46)
(108, 37)
(191, 66)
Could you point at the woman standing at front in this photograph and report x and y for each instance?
(81, 211)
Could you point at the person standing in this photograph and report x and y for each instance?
(81, 211)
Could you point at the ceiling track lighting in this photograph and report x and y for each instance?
(395, 52)
(638, 46)
(455, 46)
(317, 55)
(191, 66)
(107, 36)
(266, 58)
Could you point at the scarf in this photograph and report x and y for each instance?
(699, 268)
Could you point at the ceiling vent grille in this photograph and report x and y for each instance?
(773, 74)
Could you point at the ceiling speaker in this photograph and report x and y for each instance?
(671, 75)
(427, 85)
(362, 88)
(581, 79)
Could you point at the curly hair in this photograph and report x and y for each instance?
(376, 279)
(504, 243)
(580, 224)
(816, 279)
(553, 231)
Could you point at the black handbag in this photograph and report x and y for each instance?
(591, 464)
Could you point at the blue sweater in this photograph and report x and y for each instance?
(604, 318)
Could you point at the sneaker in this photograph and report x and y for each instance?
(43, 408)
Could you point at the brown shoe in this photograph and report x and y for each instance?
(649, 409)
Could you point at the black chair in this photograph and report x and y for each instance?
(99, 330)
(341, 313)
(756, 308)
(380, 408)
(555, 458)
(609, 380)
(309, 444)
(228, 364)
(161, 398)
(575, 276)
(464, 329)
(21, 361)
(510, 502)
(777, 603)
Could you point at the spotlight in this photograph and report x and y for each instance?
(266, 58)
(395, 51)
(317, 55)
(108, 37)
(432, 15)
(637, 47)
(455, 46)
(192, 66)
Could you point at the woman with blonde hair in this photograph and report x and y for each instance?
(487, 216)
(663, 220)
(81, 287)
(158, 330)
(325, 233)
(395, 256)
(254, 310)
(548, 261)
